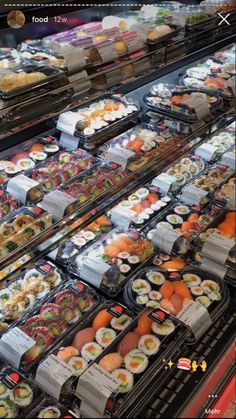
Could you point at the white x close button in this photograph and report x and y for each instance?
(223, 19)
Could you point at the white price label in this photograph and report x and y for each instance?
(196, 317)
(119, 155)
(107, 52)
(217, 247)
(199, 104)
(164, 181)
(133, 43)
(74, 58)
(213, 267)
(67, 122)
(21, 185)
(229, 159)
(13, 345)
(121, 217)
(165, 238)
(52, 374)
(95, 387)
(191, 195)
(56, 203)
(93, 271)
(206, 151)
(69, 141)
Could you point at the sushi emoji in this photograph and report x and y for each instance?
(82, 337)
(184, 364)
(111, 362)
(164, 329)
(105, 336)
(136, 361)
(78, 364)
(125, 378)
(90, 351)
(149, 344)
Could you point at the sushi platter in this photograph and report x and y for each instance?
(82, 346)
(20, 293)
(226, 193)
(47, 323)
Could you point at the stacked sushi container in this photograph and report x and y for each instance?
(80, 348)
(21, 292)
(109, 263)
(18, 395)
(49, 408)
(45, 325)
(129, 363)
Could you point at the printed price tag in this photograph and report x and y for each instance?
(52, 374)
(74, 57)
(192, 195)
(69, 141)
(229, 159)
(56, 203)
(133, 43)
(217, 247)
(67, 122)
(213, 267)
(122, 218)
(206, 151)
(95, 387)
(165, 239)
(92, 271)
(107, 52)
(199, 104)
(164, 181)
(13, 345)
(196, 317)
(119, 155)
(20, 185)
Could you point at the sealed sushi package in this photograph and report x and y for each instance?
(180, 293)
(47, 323)
(23, 291)
(129, 362)
(136, 147)
(81, 347)
(139, 208)
(217, 145)
(49, 408)
(84, 238)
(21, 226)
(18, 395)
(226, 193)
(169, 262)
(109, 262)
(212, 178)
(8, 203)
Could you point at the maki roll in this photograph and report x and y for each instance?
(123, 255)
(203, 300)
(105, 336)
(174, 219)
(191, 280)
(141, 287)
(182, 210)
(66, 298)
(6, 409)
(164, 329)
(196, 290)
(50, 412)
(210, 286)
(155, 295)
(124, 268)
(136, 361)
(23, 395)
(4, 391)
(90, 351)
(78, 364)
(51, 148)
(149, 344)
(121, 322)
(153, 304)
(156, 278)
(125, 378)
(142, 299)
(134, 260)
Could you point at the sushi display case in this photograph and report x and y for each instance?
(80, 348)
(19, 395)
(47, 322)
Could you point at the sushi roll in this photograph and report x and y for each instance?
(191, 280)
(105, 336)
(182, 210)
(149, 211)
(123, 255)
(79, 241)
(164, 329)
(65, 354)
(136, 361)
(149, 344)
(174, 219)
(50, 311)
(25, 164)
(164, 224)
(42, 336)
(38, 155)
(78, 364)
(51, 148)
(142, 193)
(12, 170)
(117, 261)
(214, 296)
(133, 260)
(50, 412)
(142, 299)
(157, 261)
(210, 286)
(90, 351)
(125, 378)
(141, 287)
(155, 295)
(203, 300)
(124, 268)
(89, 235)
(4, 391)
(156, 278)
(121, 322)
(7, 409)
(66, 298)
(196, 290)
(22, 395)
(164, 257)
(153, 304)
(70, 315)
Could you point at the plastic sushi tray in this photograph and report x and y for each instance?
(20, 293)
(134, 359)
(207, 23)
(225, 192)
(49, 407)
(46, 324)
(81, 347)
(196, 103)
(8, 203)
(175, 30)
(109, 263)
(214, 86)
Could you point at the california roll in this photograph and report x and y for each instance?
(149, 344)
(164, 329)
(78, 364)
(125, 378)
(105, 336)
(136, 361)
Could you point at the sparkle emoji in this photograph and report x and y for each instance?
(169, 364)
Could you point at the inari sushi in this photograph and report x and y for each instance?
(105, 336)
(90, 351)
(165, 328)
(149, 344)
(136, 361)
(121, 322)
(23, 395)
(78, 364)
(125, 379)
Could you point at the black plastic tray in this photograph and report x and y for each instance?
(210, 90)
(175, 31)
